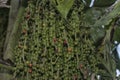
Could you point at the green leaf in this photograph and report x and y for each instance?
(64, 7)
(117, 34)
(106, 19)
(97, 30)
(14, 36)
(108, 61)
(93, 14)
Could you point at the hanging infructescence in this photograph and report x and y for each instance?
(54, 44)
(61, 40)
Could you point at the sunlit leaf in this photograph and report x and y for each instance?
(64, 7)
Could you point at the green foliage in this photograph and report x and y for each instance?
(64, 6)
(101, 3)
(104, 3)
(117, 34)
(13, 39)
(15, 18)
(93, 14)
(3, 26)
(108, 61)
(105, 21)
(101, 30)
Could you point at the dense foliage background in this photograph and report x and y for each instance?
(59, 40)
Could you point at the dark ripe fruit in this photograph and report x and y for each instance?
(24, 31)
(30, 65)
(65, 44)
(27, 16)
(81, 66)
(28, 12)
(30, 70)
(55, 40)
(75, 77)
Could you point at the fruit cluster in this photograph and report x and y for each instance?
(51, 47)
